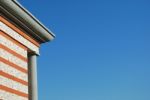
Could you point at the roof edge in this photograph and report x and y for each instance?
(16, 9)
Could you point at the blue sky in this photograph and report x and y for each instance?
(101, 50)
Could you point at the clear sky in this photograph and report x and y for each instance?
(101, 50)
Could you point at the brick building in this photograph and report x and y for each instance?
(20, 37)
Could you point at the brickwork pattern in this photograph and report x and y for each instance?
(18, 37)
(13, 64)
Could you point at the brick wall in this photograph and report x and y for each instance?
(14, 46)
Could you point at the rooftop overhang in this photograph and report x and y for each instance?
(18, 14)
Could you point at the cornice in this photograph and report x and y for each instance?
(20, 16)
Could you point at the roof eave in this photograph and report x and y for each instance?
(21, 14)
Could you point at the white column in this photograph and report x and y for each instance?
(33, 88)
